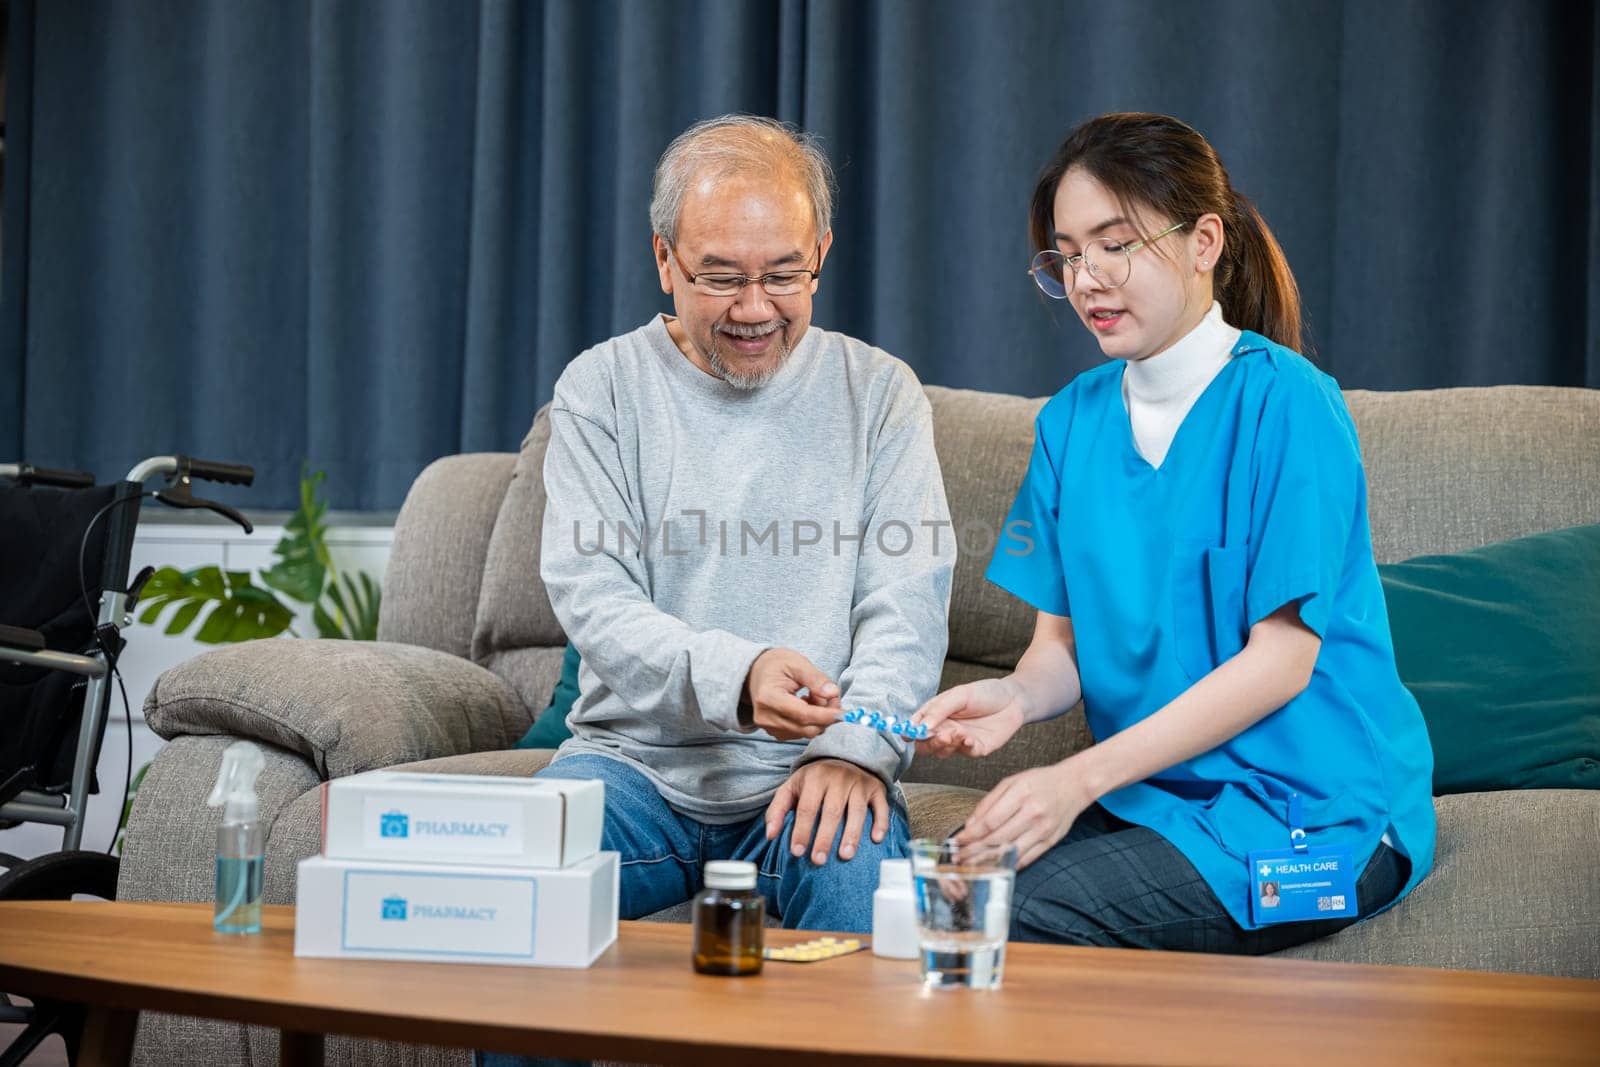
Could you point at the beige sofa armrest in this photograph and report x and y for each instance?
(346, 706)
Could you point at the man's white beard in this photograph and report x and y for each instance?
(749, 381)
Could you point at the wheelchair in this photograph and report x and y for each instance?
(65, 599)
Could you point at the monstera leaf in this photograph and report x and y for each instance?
(303, 565)
(240, 611)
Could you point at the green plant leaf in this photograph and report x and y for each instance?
(184, 616)
(341, 615)
(164, 586)
(326, 626)
(355, 607)
(369, 618)
(336, 594)
(304, 566)
(240, 610)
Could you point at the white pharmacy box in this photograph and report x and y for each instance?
(544, 917)
(462, 818)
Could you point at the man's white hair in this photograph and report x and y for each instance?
(738, 144)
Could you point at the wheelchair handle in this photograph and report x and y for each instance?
(212, 471)
(28, 474)
(179, 467)
(179, 471)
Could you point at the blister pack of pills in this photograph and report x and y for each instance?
(889, 724)
(815, 950)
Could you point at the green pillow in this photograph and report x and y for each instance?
(1501, 647)
(550, 728)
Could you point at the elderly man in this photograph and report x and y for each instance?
(746, 535)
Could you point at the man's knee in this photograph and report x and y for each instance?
(836, 877)
(894, 845)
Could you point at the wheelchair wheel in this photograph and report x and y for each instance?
(60, 876)
(57, 876)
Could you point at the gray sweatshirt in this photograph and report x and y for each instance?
(692, 525)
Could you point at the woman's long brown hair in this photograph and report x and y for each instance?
(1163, 165)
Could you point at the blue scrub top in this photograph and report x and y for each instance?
(1260, 502)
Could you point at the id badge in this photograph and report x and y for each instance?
(1303, 881)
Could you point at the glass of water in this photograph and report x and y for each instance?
(963, 895)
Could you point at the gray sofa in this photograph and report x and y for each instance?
(470, 650)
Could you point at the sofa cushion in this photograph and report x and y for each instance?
(1500, 897)
(512, 763)
(937, 811)
(1501, 648)
(550, 728)
(344, 706)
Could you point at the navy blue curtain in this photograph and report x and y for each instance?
(367, 233)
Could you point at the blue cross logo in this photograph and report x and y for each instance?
(394, 824)
(394, 908)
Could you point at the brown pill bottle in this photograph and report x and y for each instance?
(729, 920)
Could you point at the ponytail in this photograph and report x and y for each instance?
(1255, 286)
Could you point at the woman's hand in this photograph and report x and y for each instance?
(973, 719)
(1032, 810)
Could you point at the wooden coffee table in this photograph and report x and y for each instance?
(642, 1002)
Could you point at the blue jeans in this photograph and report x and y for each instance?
(664, 853)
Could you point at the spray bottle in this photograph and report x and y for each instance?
(241, 859)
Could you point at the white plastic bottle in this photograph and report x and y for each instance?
(240, 861)
(894, 914)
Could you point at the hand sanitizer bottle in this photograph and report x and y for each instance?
(241, 859)
(894, 913)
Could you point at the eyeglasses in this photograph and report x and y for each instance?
(776, 283)
(1109, 262)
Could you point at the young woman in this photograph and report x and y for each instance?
(1193, 532)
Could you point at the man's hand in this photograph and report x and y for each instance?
(777, 675)
(820, 793)
(972, 719)
(1032, 810)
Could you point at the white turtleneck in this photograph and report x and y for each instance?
(1159, 391)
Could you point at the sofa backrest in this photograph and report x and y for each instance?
(1449, 469)
(1446, 469)
(463, 573)
(433, 584)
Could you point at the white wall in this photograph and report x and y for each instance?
(150, 651)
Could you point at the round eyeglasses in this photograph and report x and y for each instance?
(776, 283)
(1108, 261)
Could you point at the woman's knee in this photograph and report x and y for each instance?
(1051, 905)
